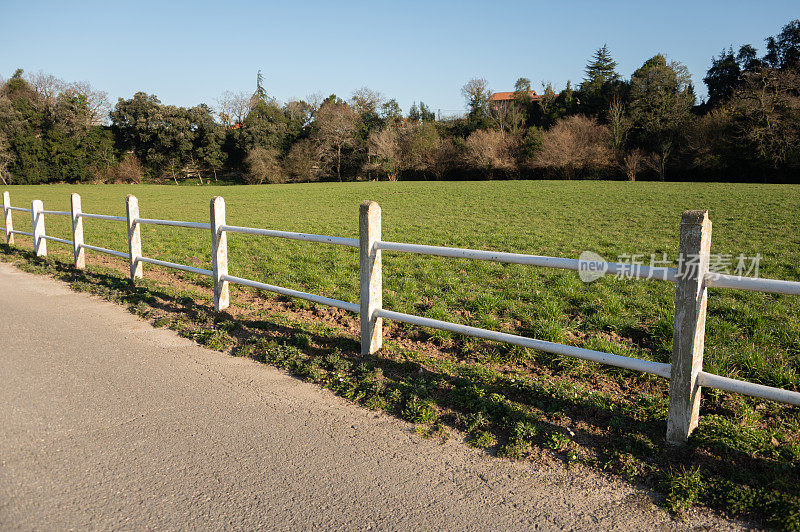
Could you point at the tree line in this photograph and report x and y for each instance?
(647, 127)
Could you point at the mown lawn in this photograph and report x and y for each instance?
(525, 401)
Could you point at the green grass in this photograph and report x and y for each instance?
(745, 456)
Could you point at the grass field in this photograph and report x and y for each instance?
(750, 336)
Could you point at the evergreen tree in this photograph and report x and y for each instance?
(600, 70)
(601, 82)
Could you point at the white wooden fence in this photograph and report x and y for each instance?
(685, 372)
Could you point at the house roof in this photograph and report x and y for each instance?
(505, 96)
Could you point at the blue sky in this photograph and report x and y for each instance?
(190, 52)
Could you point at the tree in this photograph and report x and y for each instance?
(477, 94)
(414, 114)
(261, 166)
(784, 50)
(598, 88)
(575, 145)
(661, 100)
(722, 77)
(97, 104)
(385, 153)
(261, 92)
(302, 162)
(489, 151)
(391, 112)
(208, 139)
(233, 108)
(6, 157)
(765, 113)
(336, 124)
(425, 113)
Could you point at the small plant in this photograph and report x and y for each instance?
(683, 487)
(515, 449)
(302, 341)
(556, 441)
(483, 439)
(419, 411)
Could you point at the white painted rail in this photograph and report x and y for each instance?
(55, 239)
(352, 307)
(773, 286)
(322, 239)
(175, 266)
(613, 268)
(684, 370)
(101, 217)
(174, 223)
(709, 380)
(106, 251)
(645, 366)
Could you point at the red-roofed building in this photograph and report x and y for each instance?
(509, 96)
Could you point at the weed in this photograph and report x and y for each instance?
(483, 439)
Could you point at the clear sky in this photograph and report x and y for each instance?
(190, 52)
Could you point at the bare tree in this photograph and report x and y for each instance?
(385, 153)
(47, 85)
(97, 104)
(302, 162)
(366, 101)
(233, 107)
(617, 123)
(315, 100)
(632, 163)
(490, 151)
(262, 166)
(576, 143)
(336, 124)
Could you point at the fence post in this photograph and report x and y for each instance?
(688, 337)
(9, 222)
(134, 236)
(219, 253)
(37, 221)
(371, 277)
(77, 231)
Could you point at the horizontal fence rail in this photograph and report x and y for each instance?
(684, 370)
(645, 366)
(352, 307)
(101, 217)
(175, 266)
(106, 251)
(174, 223)
(773, 286)
(638, 271)
(54, 239)
(322, 239)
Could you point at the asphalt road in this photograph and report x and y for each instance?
(108, 423)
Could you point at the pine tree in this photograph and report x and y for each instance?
(600, 70)
(261, 93)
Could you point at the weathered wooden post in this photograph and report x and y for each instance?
(219, 253)
(134, 236)
(371, 277)
(688, 336)
(77, 232)
(37, 221)
(9, 221)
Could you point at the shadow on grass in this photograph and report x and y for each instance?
(511, 416)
